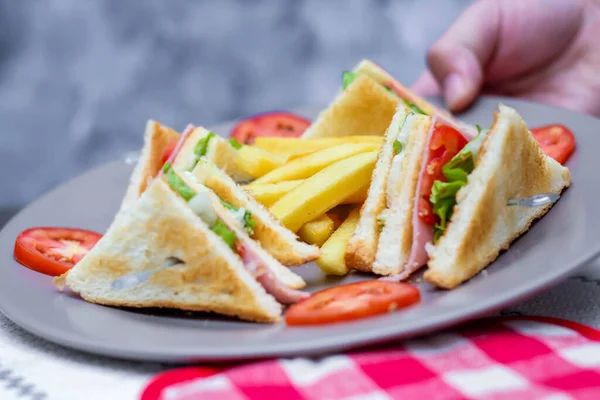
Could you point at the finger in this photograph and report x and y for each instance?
(426, 85)
(499, 43)
(534, 34)
(458, 58)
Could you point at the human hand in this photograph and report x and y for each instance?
(542, 50)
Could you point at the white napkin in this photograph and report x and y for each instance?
(34, 369)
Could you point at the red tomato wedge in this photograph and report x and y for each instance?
(556, 140)
(445, 143)
(352, 301)
(168, 151)
(53, 251)
(273, 124)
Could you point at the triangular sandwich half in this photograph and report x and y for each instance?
(509, 165)
(184, 155)
(366, 104)
(217, 267)
(362, 246)
(460, 216)
(395, 220)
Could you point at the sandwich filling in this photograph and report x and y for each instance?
(201, 148)
(201, 203)
(244, 217)
(454, 176)
(348, 77)
(450, 158)
(395, 166)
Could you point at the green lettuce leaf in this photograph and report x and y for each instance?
(249, 222)
(235, 144)
(178, 184)
(228, 206)
(414, 107)
(456, 172)
(226, 234)
(347, 78)
(202, 147)
(460, 166)
(397, 147)
(444, 209)
(443, 199)
(463, 163)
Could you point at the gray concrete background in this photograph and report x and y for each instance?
(79, 78)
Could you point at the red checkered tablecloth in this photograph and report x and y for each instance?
(500, 358)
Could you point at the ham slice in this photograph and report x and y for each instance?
(184, 137)
(265, 276)
(423, 233)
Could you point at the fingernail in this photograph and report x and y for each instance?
(455, 91)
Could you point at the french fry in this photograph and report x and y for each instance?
(269, 193)
(324, 190)
(257, 162)
(317, 231)
(301, 153)
(307, 166)
(358, 197)
(332, 260)
(293, 147)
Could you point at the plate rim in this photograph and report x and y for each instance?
(350, 339)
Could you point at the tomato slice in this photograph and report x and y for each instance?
(352, 301)
(168, 151)
(445, 143)
(556, 140)
(53, 251)
(284, 124)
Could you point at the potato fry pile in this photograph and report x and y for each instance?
(315, 187)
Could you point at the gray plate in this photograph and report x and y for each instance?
(565, 239)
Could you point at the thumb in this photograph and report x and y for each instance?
(458, 58)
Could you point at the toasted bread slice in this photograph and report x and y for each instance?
(157, 226)
(510, 165)
(279, 241)
(362, 247)
(364, 108)
(223, 155)
(382, 77)
(197, 170)
(218, 150)
(395, 241)
(156, 139)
